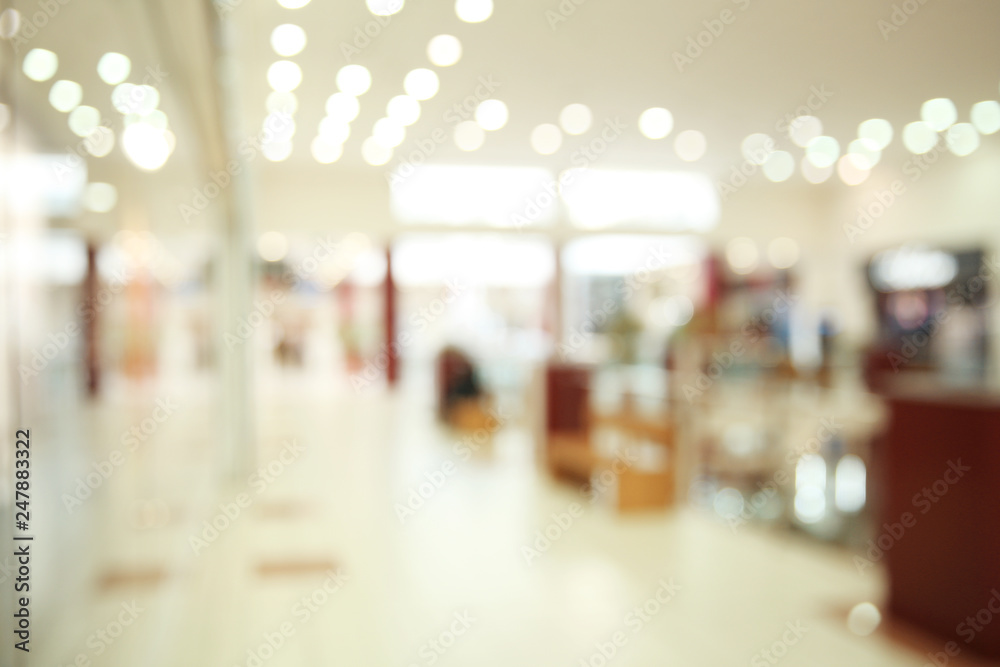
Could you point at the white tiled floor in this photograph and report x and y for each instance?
(460, 553)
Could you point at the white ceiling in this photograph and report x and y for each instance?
(615, 57)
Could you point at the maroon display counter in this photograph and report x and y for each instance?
(940, 515)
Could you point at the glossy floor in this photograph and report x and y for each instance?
(371, 536)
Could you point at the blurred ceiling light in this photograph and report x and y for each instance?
(962, 139)
(83, 120)
(742, 255)
(122, 98)
(145, 99)
(375, 153)
(421, 83)
(911, 268)
(919, 137)
(272, 246)
(985, 116)
(804, 129)
(491, 114)
(756, 147)
(288, 39)
(469, 136)
(384, 7)
(113, 68)
(546, 139)
(850, 484)
(464, 195)
(664, 200)
(810, 504)
(656, 123)
(354, 80)
(388, 132)
(282, 102)
(100, 197)
(474, 11)
(864, 153)
(728, 503)
(343, 107)
(620, 254)
(277, 151)
(850, 172)
(672, 311)
(65, 95)
(815, 174)
(863, 619)
(877, 130)
(325, 153)
(690, 145)
(40, 64)
(810, 470)
(147, 147)
(783, 252)
(284, 75)
(293, 4)
(10, 23)
(100, 142)
(575, 118)
(403, 109)
(940, 113)
(278, 126)
(823, 151)
(157, 119)
(779, 166)
(444, 50)
(334, 130)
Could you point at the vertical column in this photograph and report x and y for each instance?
(236, 279)
(392, 367)
(91, 345)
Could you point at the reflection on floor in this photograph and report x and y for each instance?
(369, 538)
